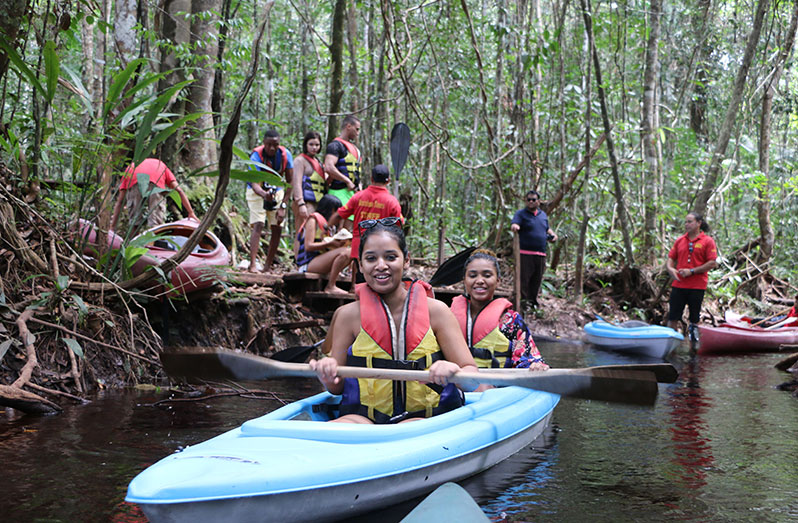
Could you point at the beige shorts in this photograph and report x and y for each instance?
(156, 205)
(257, 214)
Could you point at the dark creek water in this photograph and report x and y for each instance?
(721, 444)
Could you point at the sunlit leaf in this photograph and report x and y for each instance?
(74, 346)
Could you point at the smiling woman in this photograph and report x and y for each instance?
(496, 335)
(394, 325)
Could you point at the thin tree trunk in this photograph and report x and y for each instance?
(336, 68)
(201, 148)
(616, 177)
(708, 186)
(125, 37)
(766, 234)
(649, 132)
(174, 29)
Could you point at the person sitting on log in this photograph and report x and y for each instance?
(318, 251)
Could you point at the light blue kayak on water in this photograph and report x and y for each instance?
(635, 337)
(291, 466)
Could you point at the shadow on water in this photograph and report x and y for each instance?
(719, 445)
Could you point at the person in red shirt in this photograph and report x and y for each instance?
(692, 256)
(160, 177)
(372, 203)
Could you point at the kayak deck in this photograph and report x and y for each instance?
(268, 467)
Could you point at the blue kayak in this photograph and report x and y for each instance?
(635, 337)
(290, 466)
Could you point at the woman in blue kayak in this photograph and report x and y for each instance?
(497, 336)
(393, 325)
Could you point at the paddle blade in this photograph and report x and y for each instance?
(451, 271)
(400, 146)
(630, 387)
(218, 363)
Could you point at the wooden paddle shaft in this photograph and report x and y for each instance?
(763, 320)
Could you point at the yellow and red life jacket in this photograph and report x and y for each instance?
(349, 165)
(485, 341)
(412, 346)
(303, 256)
(314, 187)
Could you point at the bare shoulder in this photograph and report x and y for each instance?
(439, 312)
(348, 316)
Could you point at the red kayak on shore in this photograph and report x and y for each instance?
(200, 270)
(737, 338)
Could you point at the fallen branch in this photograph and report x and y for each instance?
(57, 393)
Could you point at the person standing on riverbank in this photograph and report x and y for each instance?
(160, 180)
(342, 161)
(692, 256)
(268, 202)
(532, 226)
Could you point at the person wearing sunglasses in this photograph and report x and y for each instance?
(692, 256)
(372, 203)
(534, 233)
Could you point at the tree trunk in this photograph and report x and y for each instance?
(125, 36)
(766, 234)
(201, 147)
(649, 133)
(708, 186)
(616, 177)
(174, 29)
(336, 68)
(12, 15)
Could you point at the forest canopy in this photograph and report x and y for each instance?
(624, 115)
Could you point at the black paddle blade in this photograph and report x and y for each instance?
(400, 146)
(451, 271)
(201, 363)
(294, 354)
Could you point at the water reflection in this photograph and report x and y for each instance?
(688, 403)
(719, 445)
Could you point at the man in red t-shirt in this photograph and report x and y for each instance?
(372, 203)
(160, 177)
(692, 256)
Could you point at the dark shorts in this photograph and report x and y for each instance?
(681, 297)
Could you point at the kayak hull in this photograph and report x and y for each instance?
(201, 269)
(280, 468)
(727, 338)
(653, 341)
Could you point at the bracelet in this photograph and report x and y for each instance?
(692, 271)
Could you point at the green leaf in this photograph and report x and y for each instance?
(62, 283)
(169, 131)
(4, 348)
(52, 68)
(74, 346)
(132, 255)
(251, 176)
(118, 84)
(21, 67)
(145, 126)
(84, 97)
(81, 305)
(175, 196)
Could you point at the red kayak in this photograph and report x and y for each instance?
(738, 338)
(200, 270)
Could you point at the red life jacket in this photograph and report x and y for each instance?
(384, 401)
(303, 256)
(484, 339)
(283, 155)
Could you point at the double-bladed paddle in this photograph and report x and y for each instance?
(622, 386)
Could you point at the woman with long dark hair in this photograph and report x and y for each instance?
(692, 256)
